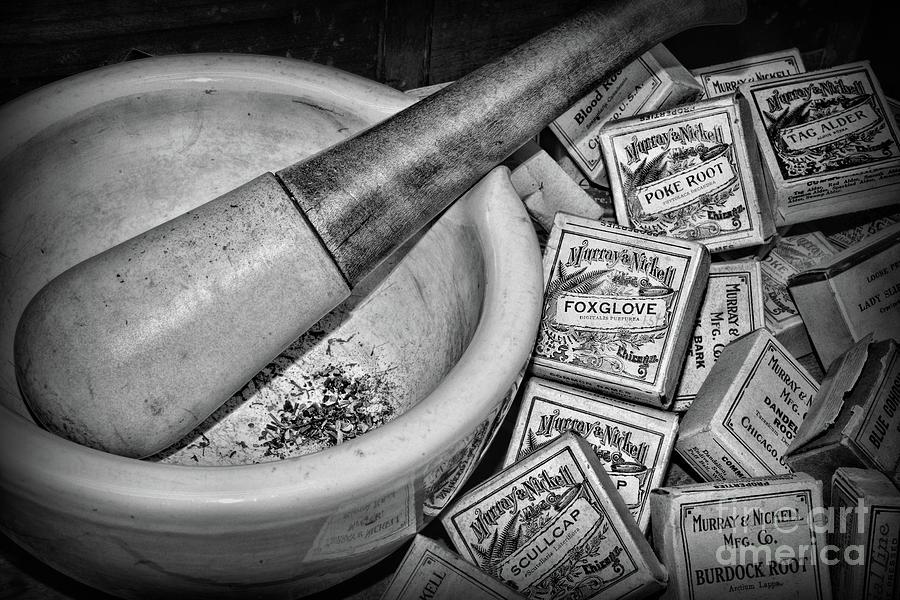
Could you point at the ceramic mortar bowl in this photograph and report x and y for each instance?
(95, 159)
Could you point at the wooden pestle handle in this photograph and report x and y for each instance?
(420, 160)
(129, 350)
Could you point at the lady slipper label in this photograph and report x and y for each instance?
(686, 173)
(616, 307)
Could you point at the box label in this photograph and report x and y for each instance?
(760, 544)
(682, 177)
(729, 311)
(879, 435)
(630, 452)
(546, 533)
(436, 578)
(724, 81)
(883, 552)
(609, 306)
(825, 123)
(869, 293)
(622, 94)
(766, 413)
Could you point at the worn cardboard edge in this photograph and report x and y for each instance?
(849, 257)
(840, 379)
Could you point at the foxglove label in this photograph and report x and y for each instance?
(641, 313)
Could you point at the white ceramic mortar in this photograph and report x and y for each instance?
(95, 159)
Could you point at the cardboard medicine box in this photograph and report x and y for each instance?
(867, 508)
(553, 525)
(829, 142)
(654, 80)
(851, 294)
(431, 571)
(724, 79)
(687, 173)
(732, 307)
(619, 306)
(855, 419)
(747, 412)
(547, 189)
(633, 442)
(791, 255)
(756, 538)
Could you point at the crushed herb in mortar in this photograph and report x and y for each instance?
(331, 406)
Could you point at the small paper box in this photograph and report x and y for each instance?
(633, 442)
(747, 411)
(829, 142)
(534, 171)
(855, 419)
(553, 526)
(619, 306)
(687, 173)
(791, 255)
(724, 79)
(853, 229)
(867, 513)
(431, 571)
(851, 294)
(655, 80)
(757, 538)
(732, 307)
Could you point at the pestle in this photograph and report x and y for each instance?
(129, 350)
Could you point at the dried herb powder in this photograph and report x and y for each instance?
(333, 405)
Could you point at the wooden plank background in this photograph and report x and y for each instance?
(405, 43)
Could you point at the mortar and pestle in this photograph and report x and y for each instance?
(104, 359)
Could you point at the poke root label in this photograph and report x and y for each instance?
(608, 306)
(682, 178)
(826, 125)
